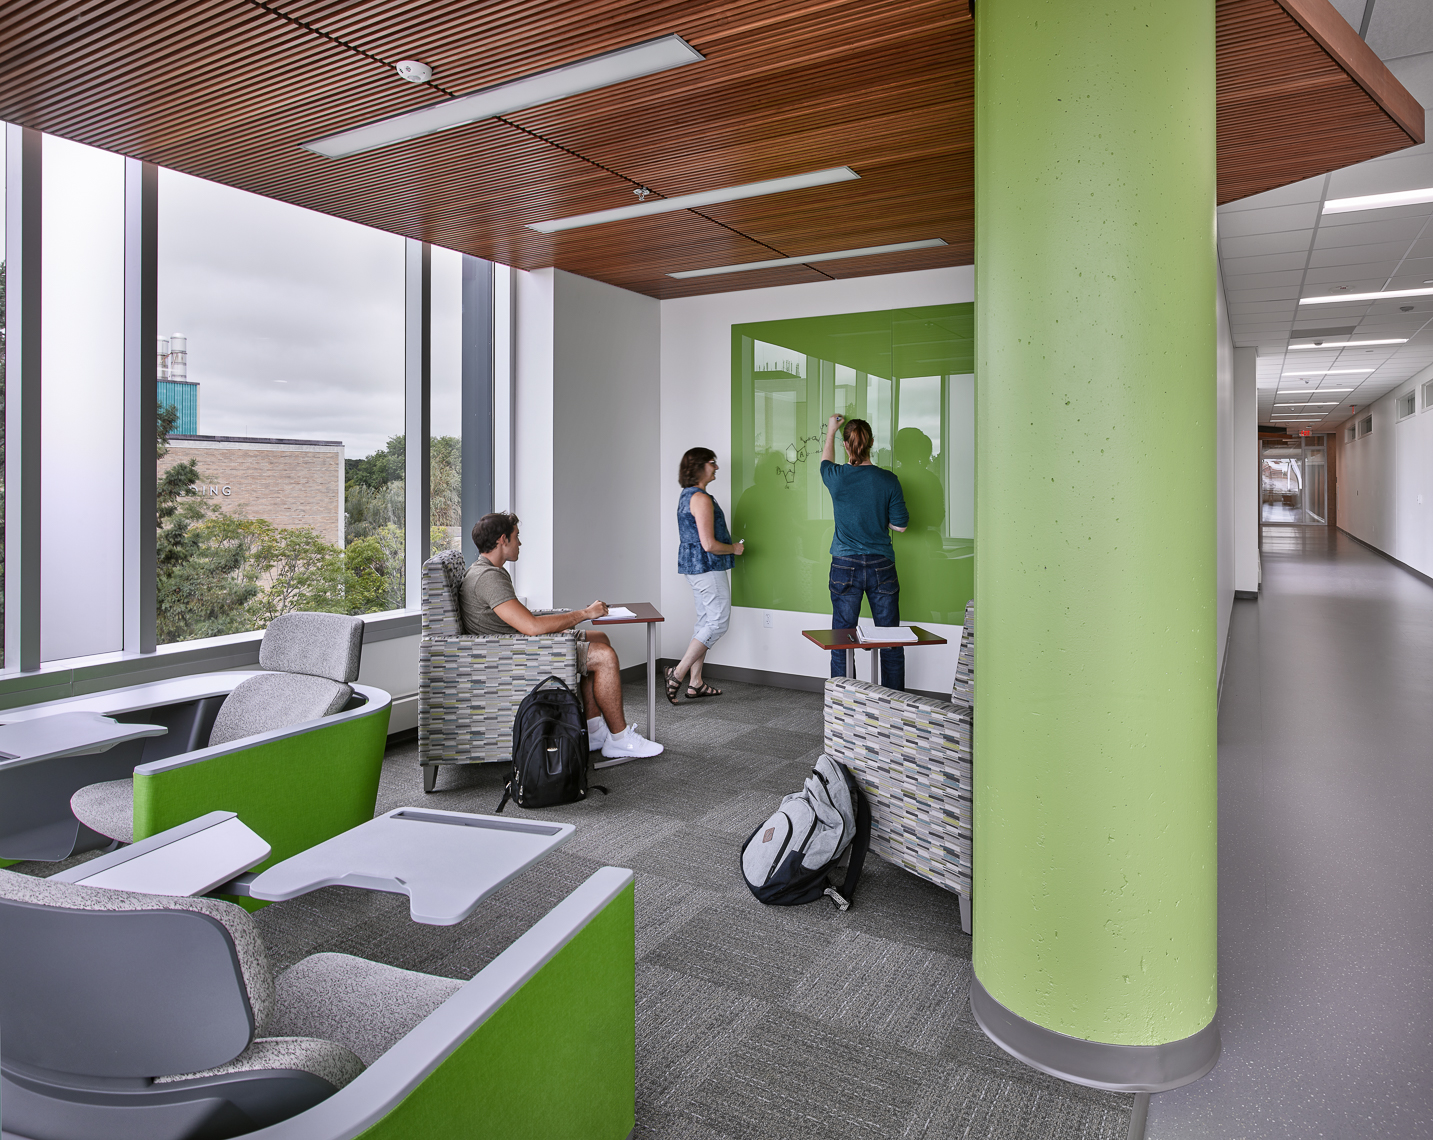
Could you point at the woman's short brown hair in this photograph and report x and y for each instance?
(693, 462)
(857, 436)
(489, 530)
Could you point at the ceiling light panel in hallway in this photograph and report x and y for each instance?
(230, 89)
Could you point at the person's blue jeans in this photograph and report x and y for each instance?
(875, 577)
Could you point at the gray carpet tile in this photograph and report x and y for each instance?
(753, 1022)
(689, 1029)
(806, 720)
(889, 989)
(976, 1105)
(779, 742)
(617, 835)
(720, 946)
(702, 856)
(799, 1079)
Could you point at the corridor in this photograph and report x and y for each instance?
(1325, 856)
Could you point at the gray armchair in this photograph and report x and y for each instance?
(309, 662)
(912, 756)
(469, 686)
(145, 1017)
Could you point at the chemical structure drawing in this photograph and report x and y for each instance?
(799, 452)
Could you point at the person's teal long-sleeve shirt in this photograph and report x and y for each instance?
(867, 499)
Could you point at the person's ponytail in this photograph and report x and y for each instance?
(857, 436)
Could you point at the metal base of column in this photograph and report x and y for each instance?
(1119, 1068)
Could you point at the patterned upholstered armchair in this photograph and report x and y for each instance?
(912, 755)
(469, 686)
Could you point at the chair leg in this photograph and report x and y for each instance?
(964, 913)
(430, 777)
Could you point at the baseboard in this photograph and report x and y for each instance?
(1246, 595)
(1422, 577)
(774, 680)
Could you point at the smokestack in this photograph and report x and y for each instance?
(178, 357)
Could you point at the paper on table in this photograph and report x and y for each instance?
(886, 633)
(618, 612)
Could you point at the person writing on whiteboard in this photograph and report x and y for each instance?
(491, 609)
(868, 504)
(704, 555)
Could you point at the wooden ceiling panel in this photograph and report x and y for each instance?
(1288, 107)
(228, 89)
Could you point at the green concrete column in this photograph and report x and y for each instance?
(1094, 862)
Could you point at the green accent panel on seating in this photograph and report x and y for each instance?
(557, 1061)
(907, 372)
(1095, 729)
(294, 792)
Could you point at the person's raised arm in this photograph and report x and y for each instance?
(701, 508)
(828, 449)
(526, 622)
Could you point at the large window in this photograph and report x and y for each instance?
(261, 370)
(285, 490)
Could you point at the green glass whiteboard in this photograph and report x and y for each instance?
(909, 373)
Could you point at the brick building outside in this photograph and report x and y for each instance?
(290, 482)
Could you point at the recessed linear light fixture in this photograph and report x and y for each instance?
(1386, 295)
(838, 255)
(646, 58)
(692, 201)
(1312, 404)
(1379, 201)
(1331, 372)
(1347, 344)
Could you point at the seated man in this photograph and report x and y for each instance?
(491, 607)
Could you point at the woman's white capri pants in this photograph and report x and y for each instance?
(712, 592)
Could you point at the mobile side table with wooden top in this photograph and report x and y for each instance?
(645, 613)
(850, 641)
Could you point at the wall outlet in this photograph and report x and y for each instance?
(766, 619)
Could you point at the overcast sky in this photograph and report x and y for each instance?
(294, 319)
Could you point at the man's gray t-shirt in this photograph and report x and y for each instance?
(484, 588)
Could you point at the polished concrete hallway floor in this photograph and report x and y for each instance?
(1325, 856)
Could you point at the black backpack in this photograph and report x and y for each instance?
(549, 749)
(787, 860)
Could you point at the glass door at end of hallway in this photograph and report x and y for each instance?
(1293, 481)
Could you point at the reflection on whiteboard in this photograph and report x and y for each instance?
(908, 372)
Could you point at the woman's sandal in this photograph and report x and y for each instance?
(674, 683)
(705, 691)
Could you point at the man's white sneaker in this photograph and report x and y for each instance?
(597, 733)
(629, 744)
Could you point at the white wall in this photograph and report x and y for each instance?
(1385, 479)
(1225, 454)
(606, 416)
(696, 412)
(392, 666)
(586, 423)
(1246, 470)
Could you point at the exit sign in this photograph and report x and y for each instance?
(1305, 431)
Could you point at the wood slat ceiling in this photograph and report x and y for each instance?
(227, 89)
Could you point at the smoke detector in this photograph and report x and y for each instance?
(414, 71)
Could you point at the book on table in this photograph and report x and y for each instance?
(868, 632)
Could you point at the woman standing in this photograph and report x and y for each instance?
(704, 556)
(868, 502)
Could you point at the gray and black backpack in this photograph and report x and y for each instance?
(786, 861)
